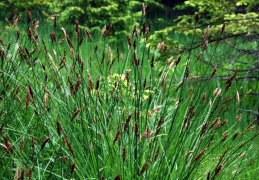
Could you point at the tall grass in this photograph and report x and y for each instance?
(75, 108)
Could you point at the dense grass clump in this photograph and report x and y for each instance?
(75, 107)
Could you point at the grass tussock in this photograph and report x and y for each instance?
(75, 107)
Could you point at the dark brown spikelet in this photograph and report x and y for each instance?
(13, 14)
(9, 24)
(44, 142)
(144, 7)
(2, 126)
(75, 114)
(159, 124)
(208, 176)
(16, 20)
(152, 61)
(147, 34)
(200, 154)
(250, 164)
(214, 123)
(7, 143)
(30, 173)
(213, 72)
(197, 17)
(191, 91)
(23, 174)
(227, 100)
(70, 84)
(178, 87)
(136, 129)
(82, 66)
(229, 80)
(72, 169)
(118, 177)
(177, 60)
(129, 42)
(21, 145)
(104, 31)
(16, 176)
(118, 134)
(59, 128)
(78, 82)
(70, 42)
(31, 91)
(110, 30)
(91, 84)
(218, 169)
(88, 35)
(144, 167)
(127, 122)
(135, 32)
(150, 98)
(127, 75)
(199, 56)
(2, 43)
(55, 20)
(205, 35)
(124, 153)
(53, 36)
(28, 16)
(98, 83)
(157, 152)
(203, 97)
(135, 44)
(144, 28)
(28, 98)
(69, 145)
(224, 136)
(77, 28)
(103, 177)
(4, 146)
(223, 28)
(18, 34)
(60, 41)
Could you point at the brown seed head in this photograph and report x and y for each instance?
(7, 143)
(44, 142)
(21, 145)
(91, 84)
(23, 174)
(30, 173)
(144, 7)
(157, 152)
(144, 167)
(28, 16)
(129, 42)
(16, 176)
(213, 72)
(118, 177)
(75, 114)
(218, 169)
(104, 31)
(118, 134)
(223, 28)
(200, 154)
(59, 128)
(197, 17)
(72, 169)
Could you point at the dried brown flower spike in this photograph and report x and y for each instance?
(45, 142)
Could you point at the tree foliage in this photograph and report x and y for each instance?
(240, 17)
